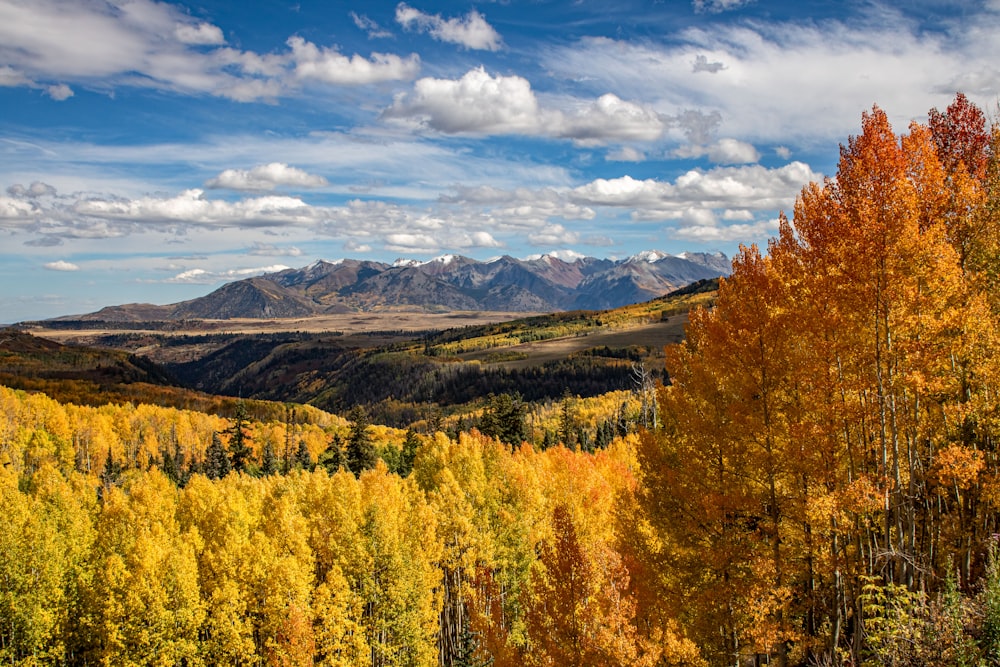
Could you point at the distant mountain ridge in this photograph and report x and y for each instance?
(450, 282)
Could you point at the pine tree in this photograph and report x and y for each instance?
(217, 463)
(567, 421)
(240, 451)
(409, 453)
(360, 448)
(110, 474)
(332, 458)
(269, 460)
(303, 458)
(504, 419)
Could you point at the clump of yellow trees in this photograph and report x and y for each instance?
(820, 483)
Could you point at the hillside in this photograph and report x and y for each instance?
(448, 283)
(402, 375)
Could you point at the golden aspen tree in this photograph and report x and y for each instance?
(144, 601)
(399, 586)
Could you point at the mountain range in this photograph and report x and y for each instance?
(449, 282)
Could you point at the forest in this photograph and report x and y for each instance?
(815, 482)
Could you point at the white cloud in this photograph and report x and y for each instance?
(553, 235)
(732, 151)
(409, 242)
(369, 26)
(201, 34)
(270, 250)
(10, 77)
(191, 207)
(266, 177)
(36, 189)
(17, 210)
(479, 103)
(50, 44)
(565, 255)
(330, 66)
(354, 246)
(748, 188)
(698, 217)
(796, 82)
(59, 92)
(723, 151)
(701, 64)
(206, 277)
(625, 154)
(472, 31)
(61, 266)
(727, 233)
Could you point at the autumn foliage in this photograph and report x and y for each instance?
(819, 483)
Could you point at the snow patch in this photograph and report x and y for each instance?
(444, 260)
(650, 256)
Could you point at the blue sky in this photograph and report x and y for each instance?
(152, 150)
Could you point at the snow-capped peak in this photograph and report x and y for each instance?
(568, 256)
(320, 263)
(442, 259)
(651, 256)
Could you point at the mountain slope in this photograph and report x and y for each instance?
(450, 282)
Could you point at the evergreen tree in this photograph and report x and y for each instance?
(504, 419)
(170, 467)
(269, 460)
(332, 458)
(217, 463)
(549, 440)
(303, 458)
(409, 453)
(240, 451)
(110, 474)
(567, 421)
(360, 453)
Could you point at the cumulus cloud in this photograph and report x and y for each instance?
(354, 246)
(553, 235)
(625, 154)
(409, 242)
(725, 233)
(479, 103)
(17, 210)
(206, 277)
(735, 188)
(472, 31)
(266, 177)
(61, 266)
(768, 91)
(10, 77)
(192, 207)
(50, 44)
(36, 189)
(706, 202)
(724, 151)
(331, 66)
(59, 92)
(201, 34)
